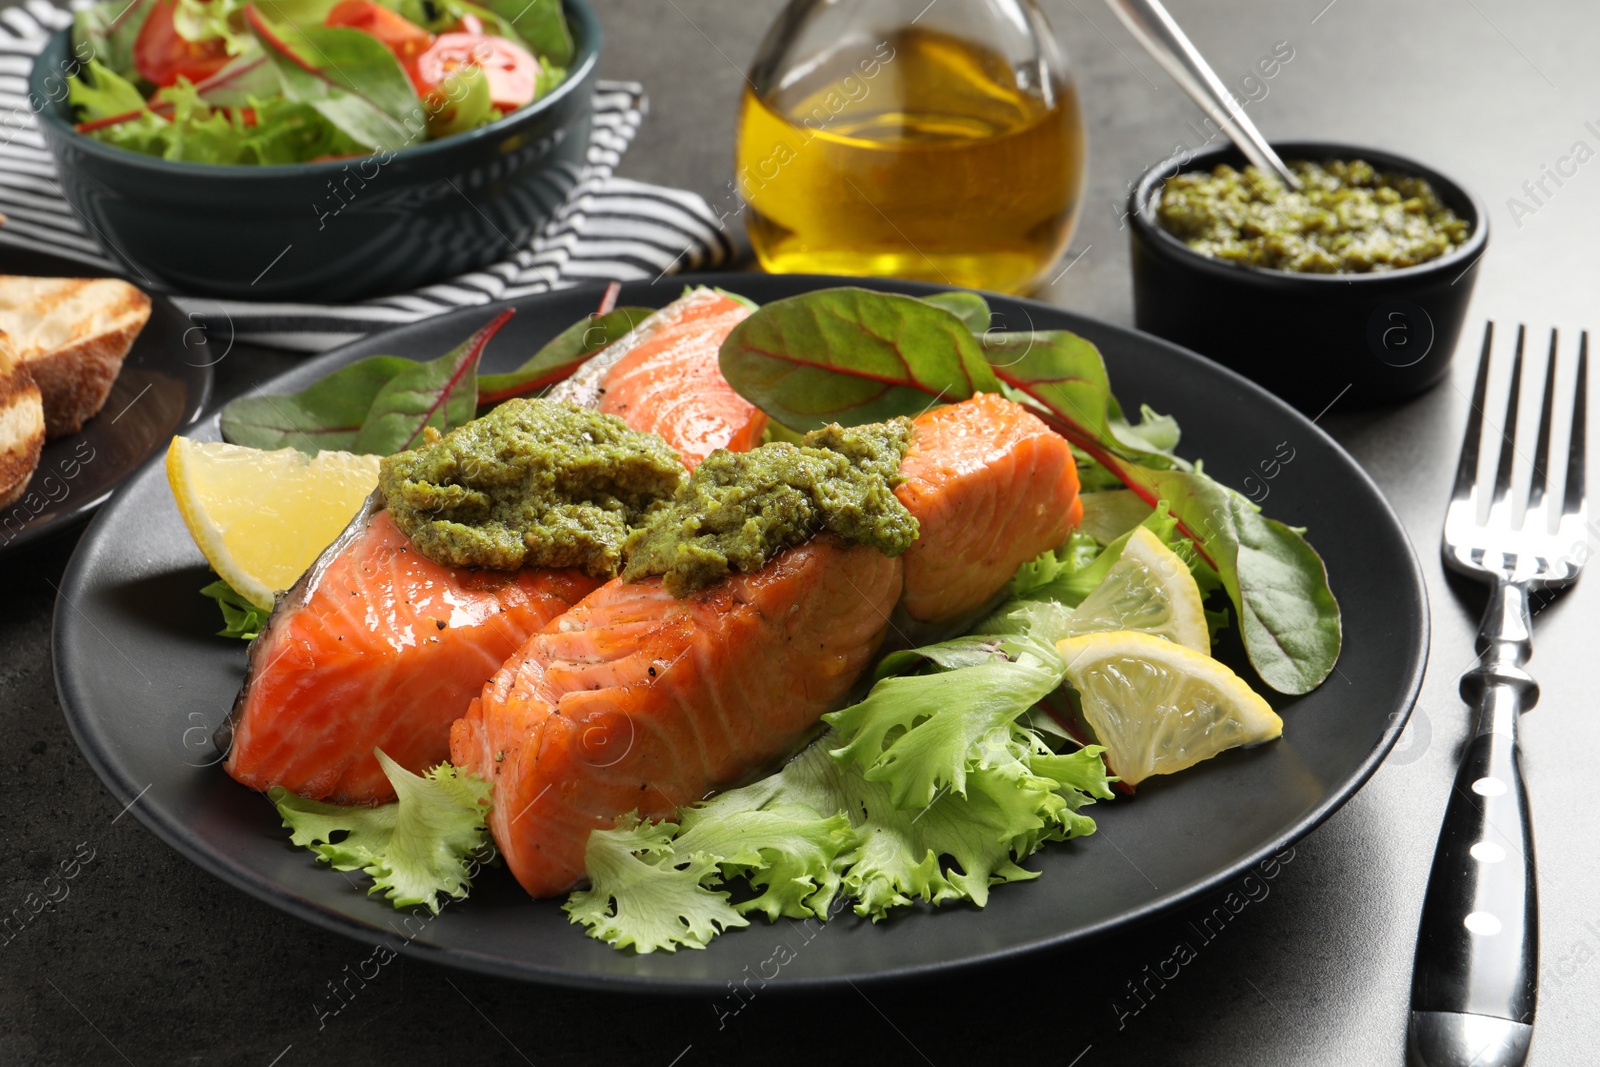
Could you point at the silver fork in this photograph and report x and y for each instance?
(1475, 981)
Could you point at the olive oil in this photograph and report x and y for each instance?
(921, 155)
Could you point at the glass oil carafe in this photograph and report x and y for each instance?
(939, 141)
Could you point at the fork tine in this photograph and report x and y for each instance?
(1508, 434)
(1539, 479)
(1467, 468)
(1575, 449)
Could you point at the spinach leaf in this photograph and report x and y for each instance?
(852, 356)
(970, 308)
(442, 393)
(350, 77)
(327, 415)
(1064, 372)
(540, 23)
(565, 354)
(856, 356)
(462, 102)
(1287, 615)
(105, 33)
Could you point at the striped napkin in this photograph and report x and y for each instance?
(608, 228)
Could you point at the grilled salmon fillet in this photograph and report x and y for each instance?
(664, 377)
(991, 487)
(378, 647)
(353, 658)
(635, 700)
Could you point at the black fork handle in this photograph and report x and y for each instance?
(1475, 982)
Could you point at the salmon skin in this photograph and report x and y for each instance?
(635, 700)
(664, 377)
(377, 646)
(991, 487)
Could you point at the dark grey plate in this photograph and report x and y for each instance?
(164, 384)
(144, 683)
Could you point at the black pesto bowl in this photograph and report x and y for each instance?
(1385, 335)
(331, 231)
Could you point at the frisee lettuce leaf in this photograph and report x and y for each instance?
(426, 844)
(934, 788)
(280, 131)
(819, 829)
(637, 900)
(240, 618)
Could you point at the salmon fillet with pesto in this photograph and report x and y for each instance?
(991, 487)
(664, 377)
(636, 700)
(377, 646)
(312, 711)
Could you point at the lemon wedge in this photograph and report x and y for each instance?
(1148, 589)
(1159, 707)
(261, 518)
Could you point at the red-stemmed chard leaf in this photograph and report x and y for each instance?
(557, 360)
(350, 77)
(852, 356)
(232, 86)
(327, 415)
(442, 393)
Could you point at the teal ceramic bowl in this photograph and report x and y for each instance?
(335, 231)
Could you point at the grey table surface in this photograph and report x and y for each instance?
(150, 961)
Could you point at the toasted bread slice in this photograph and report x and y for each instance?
(72, 334)
(21, 424)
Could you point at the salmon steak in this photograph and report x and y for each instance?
(378, 647)
(665, 378)
(355, 656)
(637, 701)
(991, 487)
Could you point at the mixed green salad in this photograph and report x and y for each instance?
(962, 758)
(294, 81)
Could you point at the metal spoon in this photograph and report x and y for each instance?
(1154, 27)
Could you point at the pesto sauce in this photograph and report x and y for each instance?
(1348, 219)
(534, 483)
(739, 509)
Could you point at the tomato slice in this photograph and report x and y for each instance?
(510, 69)
(162, 57)
(403, 37)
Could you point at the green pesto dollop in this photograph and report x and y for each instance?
(534, 483)
(1348, 219)
(739, 509)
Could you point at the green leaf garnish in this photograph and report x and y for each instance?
(541, 24)
(852, 356)
(423, 845)
(637, 899)
(240, 618)
(970, 308)
(351, 78)
(932, 789)
(442, 393)
(326, 415)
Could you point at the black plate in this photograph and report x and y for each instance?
(145, 728)
(164, 384)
